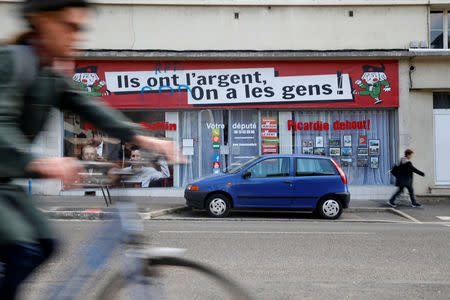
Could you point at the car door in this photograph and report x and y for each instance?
(269, 184)
(313, 178)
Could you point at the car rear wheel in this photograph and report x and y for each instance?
(329, 208)
(218, 206)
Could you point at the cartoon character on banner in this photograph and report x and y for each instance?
(373, 79)
(86, 80)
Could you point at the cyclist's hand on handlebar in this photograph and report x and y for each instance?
(167, 148)
(65, 168)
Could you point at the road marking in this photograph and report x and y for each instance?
(444, 218)
(265, 232)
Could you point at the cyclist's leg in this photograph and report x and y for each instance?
(20, 260)
(24, 241)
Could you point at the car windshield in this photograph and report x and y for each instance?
(239, 168)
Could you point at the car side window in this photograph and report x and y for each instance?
(314, 167)
(273, 167)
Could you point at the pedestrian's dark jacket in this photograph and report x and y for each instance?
(405, 172)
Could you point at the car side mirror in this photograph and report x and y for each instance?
(246, 174)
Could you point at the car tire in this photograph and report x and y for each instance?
(218, 206)
(329, 208)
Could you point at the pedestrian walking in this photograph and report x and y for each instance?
(404, 178)
(29, 88)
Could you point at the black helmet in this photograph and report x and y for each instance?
(32, 6)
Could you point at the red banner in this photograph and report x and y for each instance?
(203, 84)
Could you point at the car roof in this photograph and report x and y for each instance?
(295, 155)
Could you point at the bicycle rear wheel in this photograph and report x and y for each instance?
(118, 283)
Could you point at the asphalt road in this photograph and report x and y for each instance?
(282, 259)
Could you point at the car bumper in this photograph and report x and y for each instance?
(345, 199)
(195, 199)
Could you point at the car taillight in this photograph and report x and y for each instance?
(193, 187)
(341, 172)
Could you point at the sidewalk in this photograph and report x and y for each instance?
(94, 207)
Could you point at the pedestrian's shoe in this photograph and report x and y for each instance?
(391, 204)
(418, 205)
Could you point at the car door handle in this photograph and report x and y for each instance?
(288, 181)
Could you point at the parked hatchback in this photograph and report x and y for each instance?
(303, 182)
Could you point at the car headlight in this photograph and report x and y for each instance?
(192, 187)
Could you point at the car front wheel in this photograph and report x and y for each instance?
(329, 208)
(218, 206)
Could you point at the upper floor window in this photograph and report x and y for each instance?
(439, 29)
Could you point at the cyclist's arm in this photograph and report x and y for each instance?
(114, 123)
(109, 120)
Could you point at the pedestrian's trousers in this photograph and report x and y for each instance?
(399, 191)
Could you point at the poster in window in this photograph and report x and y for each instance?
(374, 163)
(335, 151)
(307, 143)
(362, 162)
(269, 135)
(362, 141)
(346, 151)
(374, 147)
(334, 143)
(347, 140)
(319, 141)
(319, 151)
(363, 151)
(346, 162)
(307, 150)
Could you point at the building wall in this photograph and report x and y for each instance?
(258, 27)
(422, 138)
(301, 26)
(430, 73)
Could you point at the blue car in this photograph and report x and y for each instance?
(303, 182)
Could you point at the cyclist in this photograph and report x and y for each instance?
(28, 89)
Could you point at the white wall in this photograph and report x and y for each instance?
(258, 27)
(422, 138)
(431, 73)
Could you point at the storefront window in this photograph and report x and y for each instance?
(244, 133)
(86, 142)
(360, 141)
(189, 140)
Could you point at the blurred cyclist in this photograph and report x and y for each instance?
(28, 89)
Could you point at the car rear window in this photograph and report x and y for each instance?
(314, 167)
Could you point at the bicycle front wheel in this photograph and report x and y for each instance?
(174, 276)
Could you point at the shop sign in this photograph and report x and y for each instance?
(319, 84)
(325, 126)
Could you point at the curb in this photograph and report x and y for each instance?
(384, 209)
(101, 215)
(368, 209)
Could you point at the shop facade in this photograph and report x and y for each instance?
(223, 113)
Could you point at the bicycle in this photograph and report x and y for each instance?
(139, 274)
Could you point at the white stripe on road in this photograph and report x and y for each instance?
(266, 232)
(444, 218)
